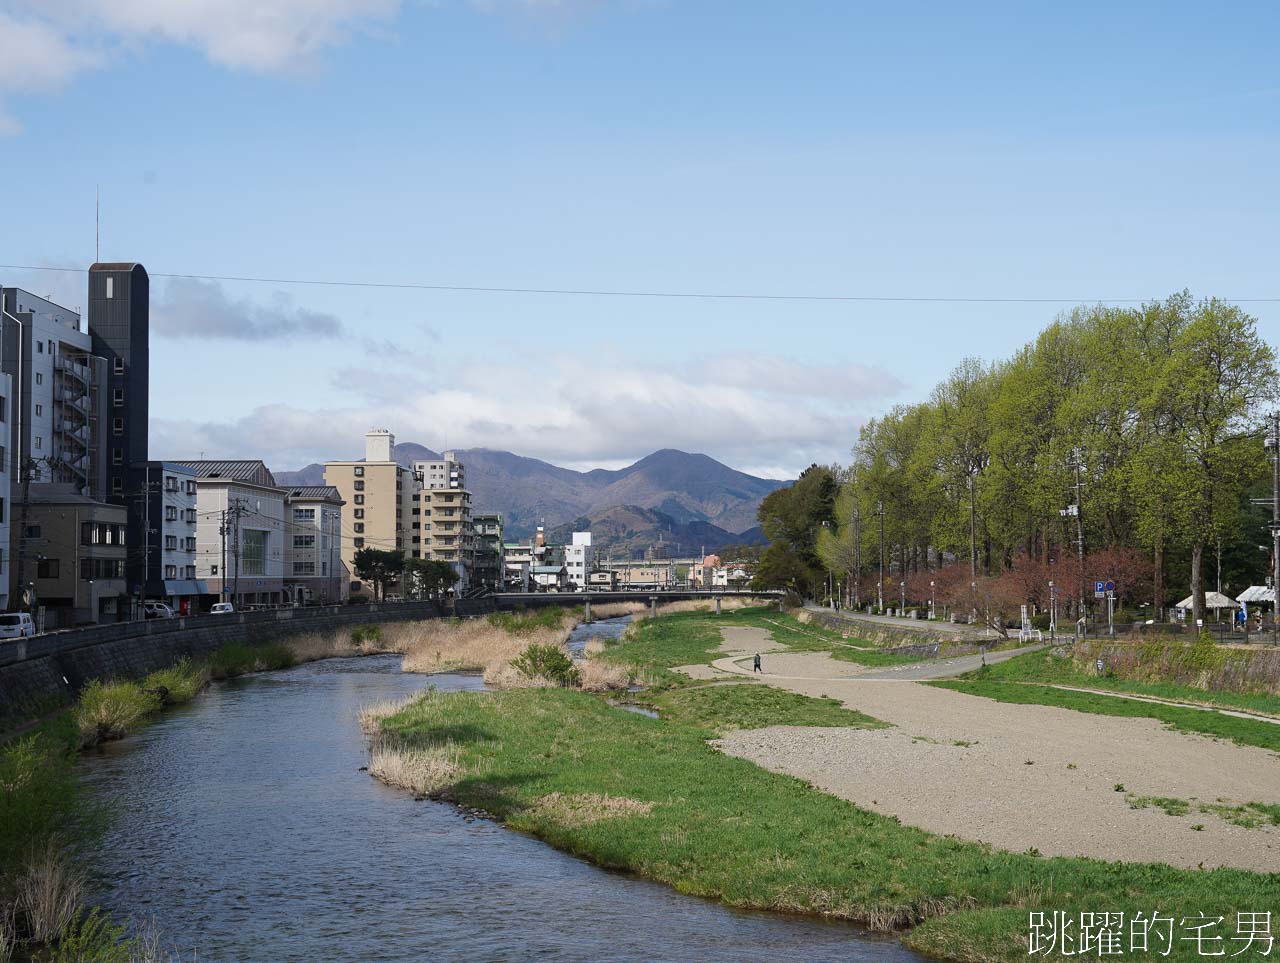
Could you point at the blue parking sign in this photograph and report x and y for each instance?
(1099, 586)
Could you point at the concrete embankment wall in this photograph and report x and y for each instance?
(42, 673)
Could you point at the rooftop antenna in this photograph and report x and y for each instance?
(97, 222)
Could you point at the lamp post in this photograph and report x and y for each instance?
(1053, 611)
(933, 612)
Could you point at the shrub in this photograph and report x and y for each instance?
(110, 710)
(362, 634)
(547, 661)
(179, 683)
(1040, 621)
(39, 796)
(597, 676)
(93, 937)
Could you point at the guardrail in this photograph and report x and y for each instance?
(55, 643)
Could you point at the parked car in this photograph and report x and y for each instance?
(222, 608)
(17, 625)
(157, 610)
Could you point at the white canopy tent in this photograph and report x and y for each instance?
(1255, 594)
(1212, 600)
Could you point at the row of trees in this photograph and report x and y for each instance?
(427, 578)
(1133, 432)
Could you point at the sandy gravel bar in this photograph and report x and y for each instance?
(1031, 776)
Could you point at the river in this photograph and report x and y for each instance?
(244, 829)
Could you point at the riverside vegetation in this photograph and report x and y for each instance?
(655, 797)
(1201, 674)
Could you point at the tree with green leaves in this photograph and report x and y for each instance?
(378, 567)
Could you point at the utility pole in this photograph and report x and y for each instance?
(222, 530)
(973, 530)
(1079, 487)
(234, 511)
(880, 586)
(1273, 442)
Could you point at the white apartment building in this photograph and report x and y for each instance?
(443, 521)
(6, 501)
(164, 566)
(240, 532)
(314, 570)
(578, 560)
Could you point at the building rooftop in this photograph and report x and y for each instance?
(254, 472)
(325, 493)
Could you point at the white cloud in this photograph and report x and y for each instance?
(46, 43)
(191, 308)
(579, 412)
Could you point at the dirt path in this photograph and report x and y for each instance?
(1018, 777)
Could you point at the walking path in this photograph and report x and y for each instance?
(1016, 776)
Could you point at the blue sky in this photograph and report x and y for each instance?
(916, 149)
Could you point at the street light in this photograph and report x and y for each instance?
(1053, 611)
(933, 612)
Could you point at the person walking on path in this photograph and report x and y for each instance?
(755, 663)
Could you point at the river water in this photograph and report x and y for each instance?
(244, 829)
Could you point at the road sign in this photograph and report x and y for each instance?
(1099, 588)
(1111, 585)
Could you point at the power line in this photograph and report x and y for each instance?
(620, 293)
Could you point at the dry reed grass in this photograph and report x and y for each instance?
(506, 676)
(615, 610)
(48, 892)
(340, 643)
(597, 676)
(8, 935)
(583, 809)
(424, 771)
(595, 646)
(444, 646)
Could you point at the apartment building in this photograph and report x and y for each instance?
(119, 309)
(75, 551)
(490, 561)
(578, 561)
(163, 566)
(382, 498)
(240, 532)
(314, 571)
(6, 500)
(445, 523)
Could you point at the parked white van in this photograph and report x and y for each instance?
(16, 625)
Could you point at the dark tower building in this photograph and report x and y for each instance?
(119, 323)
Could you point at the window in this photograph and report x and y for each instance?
(119, 365)
(358, 542)
(304, 568)
(304, 514)
(359, 513)
(4, 406)
(117, 397)
(117, 456)
(359, 471)
(39, 410)
(191, 515)
(101, 568)
(111, 287)
(191, 487)
(253, 552)
(117, 485)
(359, 527)
(359, 485)
(191, 543)
(39, 441)
(213, 570)
(191, 571)
(171, 543)
(117, 426)
(171, 571)
(39, 377)
(39, 347)
(51, 346)
(304, 541)
(47, 568)
(171, 513)
(1, 505)
(359, 499)
(170, 483)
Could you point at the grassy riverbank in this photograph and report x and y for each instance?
(653, 796)
(1030, 679)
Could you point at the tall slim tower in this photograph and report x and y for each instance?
(119, 323)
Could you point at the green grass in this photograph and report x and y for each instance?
(722, 827)
(1246, 732)
(1045, 667)
(524, 621)
(237, 658)
(366, 633)
(811, 637)
(112, 710)
(181, 682)
(720, 708)
(655, 646)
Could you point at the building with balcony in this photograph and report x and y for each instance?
(75, 550)
(445, 525)
(490, 561)
(578, 560)
(380, 504)
(313, 568)
(240, 532)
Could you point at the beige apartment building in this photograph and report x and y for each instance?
(444, 505)
(379, 497)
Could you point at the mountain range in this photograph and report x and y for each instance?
(693, 498)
